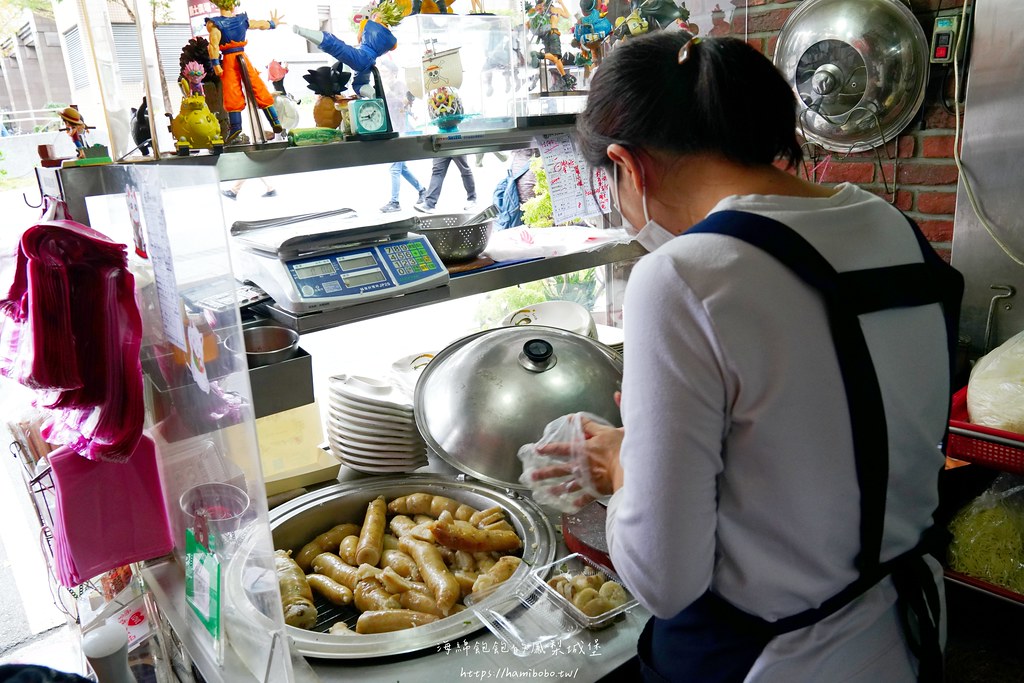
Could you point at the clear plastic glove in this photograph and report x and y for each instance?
(574, 463)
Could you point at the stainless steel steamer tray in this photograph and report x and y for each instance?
(297, 522)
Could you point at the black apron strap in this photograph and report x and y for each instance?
(863, 395)
(721, 642)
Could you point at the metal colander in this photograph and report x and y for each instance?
(453, 239)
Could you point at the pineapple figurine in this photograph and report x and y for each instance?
(328, 82)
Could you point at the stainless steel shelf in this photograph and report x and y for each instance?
(75, 184)
(466, 284)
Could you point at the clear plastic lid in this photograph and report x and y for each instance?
(525, 614)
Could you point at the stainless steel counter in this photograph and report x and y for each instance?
(584, 656)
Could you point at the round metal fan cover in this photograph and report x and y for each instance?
(858, 67)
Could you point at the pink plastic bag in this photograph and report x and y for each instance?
(107, 514)
(70, 328)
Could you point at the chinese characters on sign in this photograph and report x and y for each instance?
(198, 10)
(577, 191)
(551, 648)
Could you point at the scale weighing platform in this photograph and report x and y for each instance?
(318, 262)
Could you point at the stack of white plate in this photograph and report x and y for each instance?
(371, 426)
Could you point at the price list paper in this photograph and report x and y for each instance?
(147, 186)
(576, 192)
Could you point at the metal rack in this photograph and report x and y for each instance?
(74, 184)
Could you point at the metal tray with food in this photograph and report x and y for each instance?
(300, 522)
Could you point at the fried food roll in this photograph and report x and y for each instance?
(434, 572)
(371, 536)
(296, 597)
(501, 571)
(401, 563)
(371, 595)
(347, 549)
(335, 592)
(326, 542)
(332, 566)
(461, 535)
(377, 621)
(427, 504)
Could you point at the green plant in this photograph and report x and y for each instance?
(500, 303)
(537, 210)
(582, 287)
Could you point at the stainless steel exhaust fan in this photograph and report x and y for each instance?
(858, 67)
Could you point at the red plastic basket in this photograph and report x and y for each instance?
(994, 448)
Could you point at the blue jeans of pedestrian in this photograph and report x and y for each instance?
(398, 171)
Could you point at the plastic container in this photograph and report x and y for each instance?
(524, 614)
(575, 565)
(994, 448)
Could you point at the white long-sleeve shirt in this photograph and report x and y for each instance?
(737, 456)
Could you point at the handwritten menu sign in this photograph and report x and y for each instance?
(577, 191)
(145, 183)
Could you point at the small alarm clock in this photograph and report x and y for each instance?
(370, 120)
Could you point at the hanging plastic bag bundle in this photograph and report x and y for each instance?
(70, 329)
(107, 514)
(561, 480)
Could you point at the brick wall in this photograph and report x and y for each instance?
(926, 174)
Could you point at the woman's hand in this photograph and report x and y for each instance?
(601, 447)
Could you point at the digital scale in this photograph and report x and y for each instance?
(321, 261)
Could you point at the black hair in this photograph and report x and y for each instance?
(726, 98)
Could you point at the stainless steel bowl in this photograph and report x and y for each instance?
(486, 395)
(298, 521)
(264, 344)
(453, 240)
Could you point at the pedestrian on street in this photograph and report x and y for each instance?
(440, 168)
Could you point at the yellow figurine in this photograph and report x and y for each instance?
(195, 126)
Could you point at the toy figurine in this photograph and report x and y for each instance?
(417, 6)
(276, 71)
(227, 45)
(659, 13)
(541, 20)
(589, 31)
(195, 126)
(374, 39)
(194, 73)
(140, 127)
(76, 129)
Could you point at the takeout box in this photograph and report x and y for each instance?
(529, 613)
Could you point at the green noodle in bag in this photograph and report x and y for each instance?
(988, 535)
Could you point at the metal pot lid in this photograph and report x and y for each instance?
(486, 395)
(859, 69)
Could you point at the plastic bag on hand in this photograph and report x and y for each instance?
(988, 535)
(995, 391)
(561, 481)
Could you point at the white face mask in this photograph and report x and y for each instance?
(652, 235)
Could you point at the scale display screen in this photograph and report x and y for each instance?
(360, 279)
(358, 273)
(355, 262)
(314, 270)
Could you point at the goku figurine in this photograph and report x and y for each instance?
(374, 39)
(227, 45)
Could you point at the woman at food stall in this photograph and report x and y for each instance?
(786, 385)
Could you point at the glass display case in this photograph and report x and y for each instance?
(454, 67)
